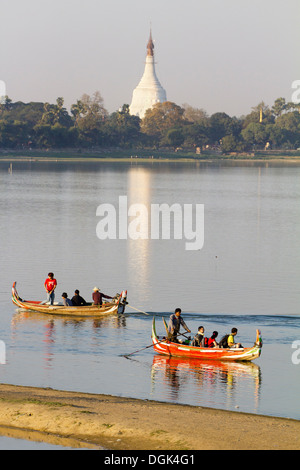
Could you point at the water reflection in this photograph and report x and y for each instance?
(207, 378)
(49, 340)
(139, 192)
(56, 335)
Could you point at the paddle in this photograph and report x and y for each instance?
(150, 346)
(145, 313)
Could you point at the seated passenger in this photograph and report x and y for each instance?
(67, 302)
(199, 338)
(230, 340)
(77, 300)
(212, 340)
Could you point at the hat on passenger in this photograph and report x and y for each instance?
(95, 289)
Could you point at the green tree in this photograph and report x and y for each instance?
(255, 134)
(28, 113)
(122, 128)
(61, 115)
(56, 136)
(56, 114)
(221, 125)
(276, 135)
(174, 138)
(229, 144)
(13, 134)
(77, 111)
(279, 107)
(162, 117)
(290, 124)
(260, 111)
(196, 134)
(5, 104)
(89, 117)
(195, 115)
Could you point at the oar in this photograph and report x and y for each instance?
(130, 306)
(150, 346)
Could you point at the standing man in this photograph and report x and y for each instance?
(50, 286)
(174, 325)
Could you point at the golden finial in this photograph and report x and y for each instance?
(150, 45)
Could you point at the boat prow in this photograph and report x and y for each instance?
(168, 348)
(116, 306)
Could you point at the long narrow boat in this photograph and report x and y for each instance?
(117, 306)
(168, 348)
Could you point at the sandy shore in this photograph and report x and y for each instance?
(114, 423)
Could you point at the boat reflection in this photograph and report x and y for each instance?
(208, 380)
(50, 330)
(115, 320)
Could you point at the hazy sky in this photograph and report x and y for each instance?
(219, 55)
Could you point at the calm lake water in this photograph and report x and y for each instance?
(246, 275)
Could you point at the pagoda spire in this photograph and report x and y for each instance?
(150, 46)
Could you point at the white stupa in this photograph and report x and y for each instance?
(149, 91)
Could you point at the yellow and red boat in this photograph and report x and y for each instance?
(168, 348)
(117, 306)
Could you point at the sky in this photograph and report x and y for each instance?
(217, 55)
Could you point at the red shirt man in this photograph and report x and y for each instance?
(50, 285)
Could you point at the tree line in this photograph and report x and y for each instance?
(166, 125)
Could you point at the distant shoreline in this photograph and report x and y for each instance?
(143, 156)
(118, 423)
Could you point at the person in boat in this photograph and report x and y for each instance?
(199, 338)
(98, 296)
(50, 286)
(77, 300)
(175, 322)
(212, 343)
(65, 300)
(230, 341)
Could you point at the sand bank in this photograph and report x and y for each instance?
(117, 423)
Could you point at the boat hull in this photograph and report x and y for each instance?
(168, 348)
(115, 307)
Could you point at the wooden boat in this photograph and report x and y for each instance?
(166, 347)
(117, 306)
